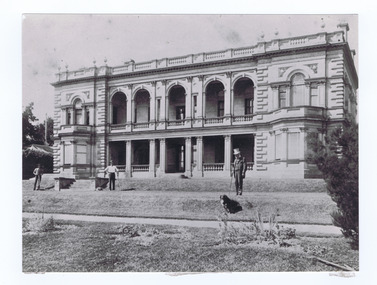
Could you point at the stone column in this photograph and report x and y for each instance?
(128, 158)
(322, 94)
(188, 156)
(274, 102)
(188, 98)
(152, 108)
(152, 157)
(307, 94)
(129, 105)
(228, 96)
(199, 146)
(227, 153)
(302, 141)
(163, 102)
(285, 142)
(162, 155)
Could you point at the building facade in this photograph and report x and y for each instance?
(186, 114)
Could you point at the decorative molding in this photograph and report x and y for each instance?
(313, 67)
(304, 129)
(201, 77)
(282, 70)
(68, 96)
(229, 74)
(272, 132)
(87, 94)
(284, 130)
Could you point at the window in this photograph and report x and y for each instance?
(78, 112)
(220, 108)
(81, 154)
(293, 145)
(87, 116)
(279, 146)
(68, 153)
(282, 97)
(297, 89)
(158, 110)
(249, 106)
(115, 115)
(314, 98)
(69, 117)
(195, 105)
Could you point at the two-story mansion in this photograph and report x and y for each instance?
(186, 114)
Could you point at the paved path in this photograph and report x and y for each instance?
(300, 228)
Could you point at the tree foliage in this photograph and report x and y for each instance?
(32, 132)
(337, 158)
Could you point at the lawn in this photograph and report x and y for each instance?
(102, 247)
(291, 207)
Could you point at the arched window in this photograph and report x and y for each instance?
(78, 112)
(297, 90)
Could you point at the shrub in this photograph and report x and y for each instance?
(40, 224)
(255, 230)
(337, 158)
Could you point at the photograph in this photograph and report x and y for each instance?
(190, 143)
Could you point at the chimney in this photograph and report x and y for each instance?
(345, 28)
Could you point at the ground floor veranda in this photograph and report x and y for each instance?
(204, 156)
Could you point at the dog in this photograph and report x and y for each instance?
(229, 205)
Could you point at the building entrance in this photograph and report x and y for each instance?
(175, 155)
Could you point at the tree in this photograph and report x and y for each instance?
(337, 158)
(50, 131)
(33, 133)
(30, 133)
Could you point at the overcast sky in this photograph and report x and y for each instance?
(52, 41)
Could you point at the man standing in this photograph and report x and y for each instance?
(111, 169)
(38, 177)
(239, 169)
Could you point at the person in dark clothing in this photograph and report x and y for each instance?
(239, 169)
(112, 169)
(38, 171)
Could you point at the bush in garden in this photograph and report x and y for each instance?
(337, 158)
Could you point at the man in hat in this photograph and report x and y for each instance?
(38, 171)
(112, 169)
(239, 169)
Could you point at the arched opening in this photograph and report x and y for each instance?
(142, 106)
(214, 102)
(297, 93)
(177, 103)
(243, 103)
(119, 108)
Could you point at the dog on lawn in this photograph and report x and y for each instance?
(230, 205)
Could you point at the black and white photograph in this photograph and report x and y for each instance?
(190, 144)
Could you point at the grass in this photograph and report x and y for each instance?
(310, 207)
(100, 247)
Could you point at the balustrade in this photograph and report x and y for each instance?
(140, 168)
(281, 44)
(246, 118)
(211, 121)
(213, 166)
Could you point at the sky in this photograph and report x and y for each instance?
(50, 41)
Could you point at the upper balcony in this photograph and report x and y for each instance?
(191, 59)
(297, 113)
(72, 129)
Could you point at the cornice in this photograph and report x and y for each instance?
(188, 67)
